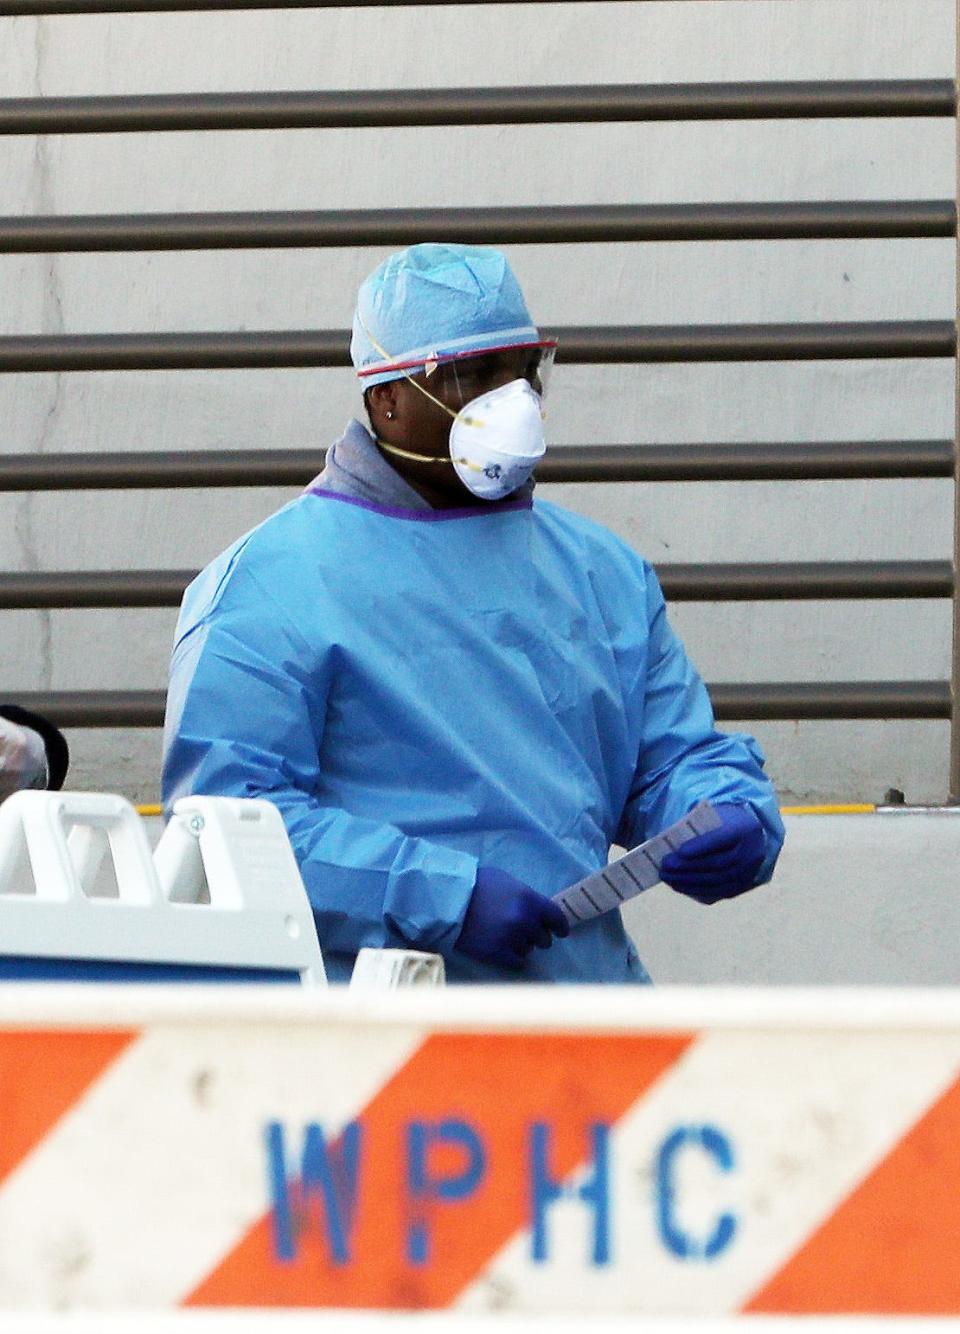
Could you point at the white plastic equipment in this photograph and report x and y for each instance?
(386, 969)
(222, 889)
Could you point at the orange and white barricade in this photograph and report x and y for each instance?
(521, 1150)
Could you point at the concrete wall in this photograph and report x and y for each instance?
(478, 45)
(856, 900)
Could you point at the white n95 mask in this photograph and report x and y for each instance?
(496, 440)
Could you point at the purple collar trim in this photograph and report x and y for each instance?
(425, 516)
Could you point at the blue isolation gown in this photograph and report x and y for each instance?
(422, 692)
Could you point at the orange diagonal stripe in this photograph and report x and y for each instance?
(499, 1085)
(891, 1248)
(42, 1075)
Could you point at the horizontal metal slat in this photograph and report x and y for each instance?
(758, 342)
(21, 7)
(790, 700)
(499, 226)
(87, 589)
(176, 469)
(744, 462)
(93, 708)
(809, 580)
(597, 345)
(384, 108)
(568, 463)
(681, 583)
(767, 701)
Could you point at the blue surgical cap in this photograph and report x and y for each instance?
(435, 301)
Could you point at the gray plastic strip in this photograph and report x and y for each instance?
(635, 871)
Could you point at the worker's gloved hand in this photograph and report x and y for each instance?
(505, 919)
(722, 863)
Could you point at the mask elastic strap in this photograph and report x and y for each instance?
(427, 458)
(409, 454)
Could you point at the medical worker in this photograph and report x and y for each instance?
(458, 696)
(33, 753)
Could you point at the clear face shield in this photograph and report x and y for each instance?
(458, 380)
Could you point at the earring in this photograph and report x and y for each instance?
(389, 416)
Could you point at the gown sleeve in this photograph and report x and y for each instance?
(682, 757)
(245, 718)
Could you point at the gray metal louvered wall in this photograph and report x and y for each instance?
(593, 460)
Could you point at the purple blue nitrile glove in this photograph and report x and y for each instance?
(505, 919)
(722, 863)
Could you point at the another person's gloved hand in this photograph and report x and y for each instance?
(505, 919)
(722, 863)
